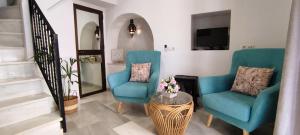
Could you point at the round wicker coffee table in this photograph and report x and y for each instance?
(171, 116)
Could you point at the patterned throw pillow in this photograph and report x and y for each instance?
(252, 81)
(140, 72)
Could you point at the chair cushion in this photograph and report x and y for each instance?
(132, 90)
(140, 72)
(252, 80)
(233, 104)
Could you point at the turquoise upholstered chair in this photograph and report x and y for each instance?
(245, 112)
(135, 92)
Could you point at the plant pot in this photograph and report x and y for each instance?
(71, 104)
(169, 95)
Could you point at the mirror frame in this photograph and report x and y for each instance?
(90, 52)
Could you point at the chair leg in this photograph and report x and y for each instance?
(209, 120)
(146, 109)
(119, 107)
(245, 132)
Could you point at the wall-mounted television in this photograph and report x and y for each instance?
(212, 39)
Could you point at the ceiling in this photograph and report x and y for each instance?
(102, 3)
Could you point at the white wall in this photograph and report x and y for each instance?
(27, 28)
(142, 39)
(3, 3)
(260, 23)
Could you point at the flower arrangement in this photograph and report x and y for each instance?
(169, 86)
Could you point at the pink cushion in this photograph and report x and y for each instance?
(140, 72)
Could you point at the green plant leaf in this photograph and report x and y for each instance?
(67, 68)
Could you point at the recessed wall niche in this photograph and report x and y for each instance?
(211, 31)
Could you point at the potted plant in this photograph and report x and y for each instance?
(70, 100)
(169, 87)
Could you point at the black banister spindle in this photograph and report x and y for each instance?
(59, 89)
(46, 51)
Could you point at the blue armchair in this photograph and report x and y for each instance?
(245, 112)
(135, 92)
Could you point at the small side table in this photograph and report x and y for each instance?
(171, 116)
(189, 84)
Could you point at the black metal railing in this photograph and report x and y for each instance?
(46, 55)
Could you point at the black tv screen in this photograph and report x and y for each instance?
(212, 39)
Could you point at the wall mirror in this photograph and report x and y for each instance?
(90, 50)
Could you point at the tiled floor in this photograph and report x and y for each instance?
(97, 116)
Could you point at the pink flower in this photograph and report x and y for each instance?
(162, 85)
(169, 85)
(173, 81)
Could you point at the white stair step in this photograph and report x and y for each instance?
(10, 54)
(12, 39)
(10, 12)
(11, 25)
(48, 124)
(14, 70)
(15, 88)
(23, 108)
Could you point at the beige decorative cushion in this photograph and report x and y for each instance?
(140, 72)
(252, 81)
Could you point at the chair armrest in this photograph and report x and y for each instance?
(265, 105)
(153, 82)
(215, 84)
(116, 79)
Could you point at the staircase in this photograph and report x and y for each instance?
(26, 107)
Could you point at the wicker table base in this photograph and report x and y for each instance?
(171, 119)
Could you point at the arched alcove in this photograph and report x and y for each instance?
(142, 39)
(119, 37)
(87, 37)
